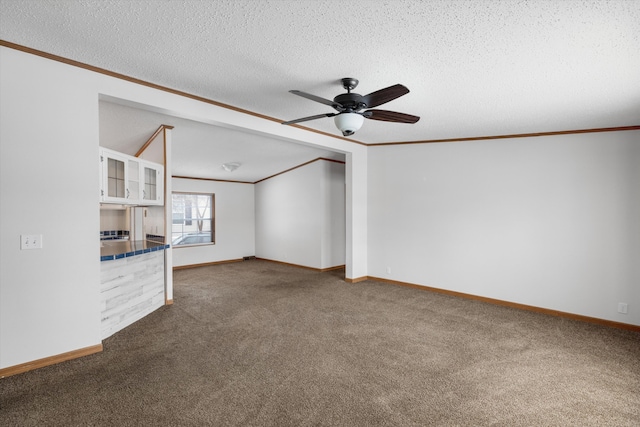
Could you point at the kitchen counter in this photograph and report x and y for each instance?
(117, 249)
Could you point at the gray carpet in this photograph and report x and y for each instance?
(262, 344)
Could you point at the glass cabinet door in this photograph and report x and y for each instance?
(150, 184)
(152, 177)
(114, 177)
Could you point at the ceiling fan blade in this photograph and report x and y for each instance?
(382, 96)
(390, 116)
(333, 104)
(304, 119)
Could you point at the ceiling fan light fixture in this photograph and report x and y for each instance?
(230, 167)
(348, 123)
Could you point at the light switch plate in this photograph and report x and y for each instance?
(31, 241)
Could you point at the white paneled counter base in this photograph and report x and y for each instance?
(130, 289)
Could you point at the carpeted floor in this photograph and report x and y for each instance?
(262, 344)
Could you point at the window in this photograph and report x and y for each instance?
(193, 219)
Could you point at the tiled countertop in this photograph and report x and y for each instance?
(112, 249)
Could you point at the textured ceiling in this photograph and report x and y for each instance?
(474, 68)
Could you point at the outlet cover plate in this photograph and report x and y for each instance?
(622, 308)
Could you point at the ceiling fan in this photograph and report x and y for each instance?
(349, 106)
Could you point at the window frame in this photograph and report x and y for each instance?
(191, 220)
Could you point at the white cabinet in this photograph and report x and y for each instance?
(129, 180)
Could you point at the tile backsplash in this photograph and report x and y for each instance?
(113, 234)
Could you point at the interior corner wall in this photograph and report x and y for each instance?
(234, 222)
(49, 297)
(333, 235)
(550, 221)
(300, 216)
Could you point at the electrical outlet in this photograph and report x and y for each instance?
(622, 307)
(30, 241)
(388, 270)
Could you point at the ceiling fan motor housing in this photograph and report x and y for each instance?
(350, 101)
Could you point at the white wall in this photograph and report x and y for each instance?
(300, 216)
(49, 298)
(550, 221)
(234, 222)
